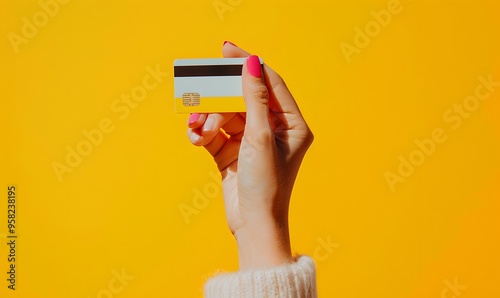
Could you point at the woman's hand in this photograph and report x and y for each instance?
(258, 154)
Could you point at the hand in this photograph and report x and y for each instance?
(258, 154)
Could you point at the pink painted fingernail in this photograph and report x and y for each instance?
(229, 43)
(253, 66)
(193, 118)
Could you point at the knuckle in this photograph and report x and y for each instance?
(310, 137)
(259, 139)
(279, 83)
(260, 92)
(307, 137)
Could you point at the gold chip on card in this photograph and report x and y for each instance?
(191, 99)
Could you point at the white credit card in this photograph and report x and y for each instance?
(208, 85)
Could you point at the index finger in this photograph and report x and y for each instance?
(281, 100)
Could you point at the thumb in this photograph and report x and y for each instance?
(256, 96)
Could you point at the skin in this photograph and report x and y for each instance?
(258, 154)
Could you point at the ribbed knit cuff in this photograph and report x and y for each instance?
(293, 280)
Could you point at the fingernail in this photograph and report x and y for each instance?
(229, 43)
(194, 137)
(209, 124)
(193, 118)
(253, 66)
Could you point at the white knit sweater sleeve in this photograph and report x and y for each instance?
(297, 280)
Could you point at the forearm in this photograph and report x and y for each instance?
(264, 244)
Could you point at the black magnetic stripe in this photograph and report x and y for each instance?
(207, 70)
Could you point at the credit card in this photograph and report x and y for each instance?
(208, 85)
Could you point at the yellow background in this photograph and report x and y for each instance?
(119, 208)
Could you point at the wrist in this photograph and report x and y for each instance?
(263, 243)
